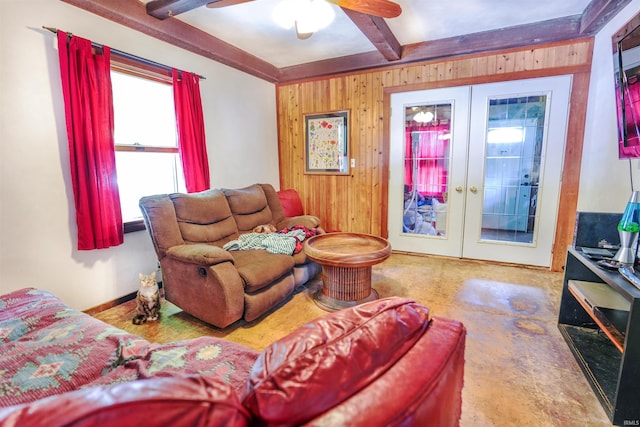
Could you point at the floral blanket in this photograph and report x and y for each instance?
(48, 348)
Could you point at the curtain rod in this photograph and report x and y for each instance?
(125, 54)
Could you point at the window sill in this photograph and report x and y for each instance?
(131, 226)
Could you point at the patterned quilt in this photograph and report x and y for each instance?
(48, 348)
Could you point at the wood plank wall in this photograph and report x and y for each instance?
(357, 202)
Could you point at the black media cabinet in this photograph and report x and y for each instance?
(600, 320)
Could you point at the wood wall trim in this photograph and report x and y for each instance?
(539, 33)
(359, 202)
(529, 35)
(507, 67)
(110, 304)
(568, 204)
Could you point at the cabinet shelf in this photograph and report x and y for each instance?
(606, 307)
(599, 319)
(598, 359)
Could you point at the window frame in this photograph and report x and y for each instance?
(127, 65)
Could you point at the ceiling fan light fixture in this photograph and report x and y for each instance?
(308, 16)
(423, 117)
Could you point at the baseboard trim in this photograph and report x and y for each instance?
(111, 304)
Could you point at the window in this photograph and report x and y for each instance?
(146, 144)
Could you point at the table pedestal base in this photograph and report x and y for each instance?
(344, 287)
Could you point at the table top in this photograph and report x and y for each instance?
(347, 249)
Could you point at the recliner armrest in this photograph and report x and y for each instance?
(309, 221)
(200, 254)
(159, 401)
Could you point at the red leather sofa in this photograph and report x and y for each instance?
(384, 363)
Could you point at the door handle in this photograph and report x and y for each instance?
(459, 189)
(473, 189)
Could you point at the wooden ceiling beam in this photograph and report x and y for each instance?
(133, 14)
(163, 9)
(518, 36)
(598, 13)
(504, 38)
(378, 32)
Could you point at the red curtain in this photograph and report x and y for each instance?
(86, 86)
(191, 138)
(426, 154)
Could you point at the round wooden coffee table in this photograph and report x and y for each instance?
(346, 260)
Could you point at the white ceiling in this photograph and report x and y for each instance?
(249, 26)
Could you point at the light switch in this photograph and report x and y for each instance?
(353, 163)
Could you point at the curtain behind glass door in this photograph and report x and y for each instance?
(426, 169)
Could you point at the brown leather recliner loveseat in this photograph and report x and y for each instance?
(203, 279)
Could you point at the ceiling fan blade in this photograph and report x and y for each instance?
(223, 3)
(381, 8)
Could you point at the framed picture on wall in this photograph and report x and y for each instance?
(327, 143)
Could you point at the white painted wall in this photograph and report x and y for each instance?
(37, 217)
(604, 179)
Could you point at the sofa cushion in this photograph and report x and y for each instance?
(431, 376)
(291, 203)
(301, 258)
(49, 348)
(258, 268)
(204, 217)
(277, 210)
(249, 207)
(296, 378)
(215, 358)
(199, 253)
(258, 303)
(160, 219)
(176, 401)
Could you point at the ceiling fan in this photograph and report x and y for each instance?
(312, 15)
(380, 8)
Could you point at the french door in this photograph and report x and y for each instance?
(475, 170)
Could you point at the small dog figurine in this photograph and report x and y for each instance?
(264, 228)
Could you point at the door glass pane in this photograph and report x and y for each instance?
(513, 149)
(426, 169)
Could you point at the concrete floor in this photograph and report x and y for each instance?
(518, 370)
